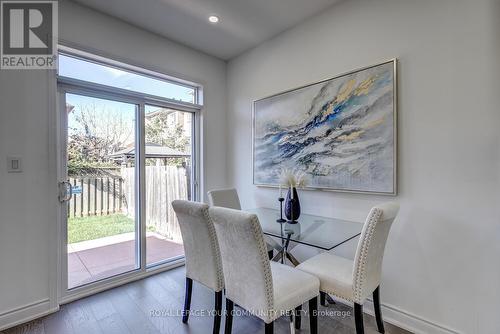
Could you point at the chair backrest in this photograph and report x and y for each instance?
(203, 262)
(226, 198)
(247, 272)
(370, 251)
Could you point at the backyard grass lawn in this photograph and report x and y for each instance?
(89, 228)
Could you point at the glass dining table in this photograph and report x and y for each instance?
(315, 231)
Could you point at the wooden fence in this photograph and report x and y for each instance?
(163, 185)
(116, 194)
(96, 196)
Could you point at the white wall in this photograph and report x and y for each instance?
(441, 268)
(27, 207)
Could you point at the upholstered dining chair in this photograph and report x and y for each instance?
(356, 280)
(264, 288)
(203, 262)
(228, 198)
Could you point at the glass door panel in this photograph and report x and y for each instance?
(101, 164)
(168, 176)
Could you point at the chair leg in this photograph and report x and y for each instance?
(218, 312)
(313, 315)
(378, 313)
(270, 254)
(270, 328)
(358, 318)
(298, 311)
(187, 300)
(229, 316)
(322, 298)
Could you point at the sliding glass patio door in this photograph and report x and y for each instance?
(124, 162)
(168, 176)
(102, 222)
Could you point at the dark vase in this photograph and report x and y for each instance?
(292, 206)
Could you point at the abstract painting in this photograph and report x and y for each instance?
(340, 132)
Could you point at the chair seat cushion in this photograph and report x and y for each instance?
(334, 273)
(291, 287)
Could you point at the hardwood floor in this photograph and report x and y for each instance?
(153, 305)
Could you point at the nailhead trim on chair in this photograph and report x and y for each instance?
(215, 248)
(336, 295)
(257, 230)
(360, 271)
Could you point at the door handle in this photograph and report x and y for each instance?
(65, 191)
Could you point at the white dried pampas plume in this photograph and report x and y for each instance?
(294, 179)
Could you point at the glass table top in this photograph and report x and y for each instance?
(320, 232)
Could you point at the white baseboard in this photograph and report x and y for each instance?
(403, 319)
(408, 321)
(25, 313)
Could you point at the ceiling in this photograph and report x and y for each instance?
(243, 23)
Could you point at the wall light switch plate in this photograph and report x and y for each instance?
(14, 165)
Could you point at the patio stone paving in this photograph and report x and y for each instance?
(93, 260)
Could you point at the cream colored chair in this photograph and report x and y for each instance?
(356, 280)
(203, 262)
(228, 198)
(264, 288)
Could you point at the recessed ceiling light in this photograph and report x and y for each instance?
(213, 19)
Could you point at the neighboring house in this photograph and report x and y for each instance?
(173, 118)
